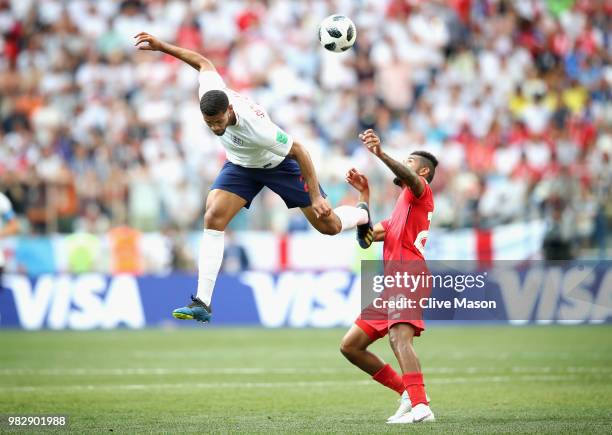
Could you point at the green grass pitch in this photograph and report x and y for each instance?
(486, 379)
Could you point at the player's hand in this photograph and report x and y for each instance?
(321, 207)
(371, 141)
(357, 180)
(144, 41)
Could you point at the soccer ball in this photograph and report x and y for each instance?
(337, 33)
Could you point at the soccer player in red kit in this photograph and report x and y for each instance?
(404, 235)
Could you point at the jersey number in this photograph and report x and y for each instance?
(421, 238)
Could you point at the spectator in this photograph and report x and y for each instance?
(513, 94)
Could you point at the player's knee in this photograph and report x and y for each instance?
(214, 219)
(328, 231)
(400, 335)
(331, 227)
(396, 341)
(393, 339)
(348, 349)
(336, 227)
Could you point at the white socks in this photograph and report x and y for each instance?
(209, 263)
(350, 216)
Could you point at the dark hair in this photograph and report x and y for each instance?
(428, 160)
(214, 102)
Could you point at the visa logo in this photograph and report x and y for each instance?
(77, 302)
(300, 299)
(556, 295)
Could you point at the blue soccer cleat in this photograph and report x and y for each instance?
(196, 310)
(365, 232)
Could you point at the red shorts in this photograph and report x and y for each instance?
(379, 328)
(376, 319)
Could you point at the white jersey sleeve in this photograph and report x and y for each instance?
(210, 80)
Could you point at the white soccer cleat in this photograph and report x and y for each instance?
(419, 414)
(404, 407)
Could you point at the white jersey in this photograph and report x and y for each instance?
(255, 141)
(6, 215)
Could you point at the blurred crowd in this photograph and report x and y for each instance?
(512, 96)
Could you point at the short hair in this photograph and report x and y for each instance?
(429, 160)
(214, 102)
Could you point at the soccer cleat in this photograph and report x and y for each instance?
(420, 414)
(196, 310)
(365, 232)
(404, 407)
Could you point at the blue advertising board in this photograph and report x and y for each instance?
(537, 294)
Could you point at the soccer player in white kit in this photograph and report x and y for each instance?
(8, 226)
(259, 154)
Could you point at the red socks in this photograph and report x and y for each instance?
(413, 383)
(390, 379)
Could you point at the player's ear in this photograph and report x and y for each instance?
(424, 171)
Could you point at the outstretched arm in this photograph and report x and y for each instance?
(406, 175)
(145, 41)
(319, 204)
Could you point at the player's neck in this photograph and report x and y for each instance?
(232, 119)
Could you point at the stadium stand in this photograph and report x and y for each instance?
(513, 96)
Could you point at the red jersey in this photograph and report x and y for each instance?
(407, 229)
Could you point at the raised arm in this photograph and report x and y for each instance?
(145, 41)
(360, 182)
(405, 174)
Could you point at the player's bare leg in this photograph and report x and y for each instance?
(221, 207)
(340, 219)
(354, 347)
(329, 225)
(401, 337)
(346, 217)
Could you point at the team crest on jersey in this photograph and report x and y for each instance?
(236, 140)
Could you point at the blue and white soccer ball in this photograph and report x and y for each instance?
(337, 33)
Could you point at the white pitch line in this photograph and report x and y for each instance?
(165, 371)
(280, 370)
(190, 386)
(261, 385)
